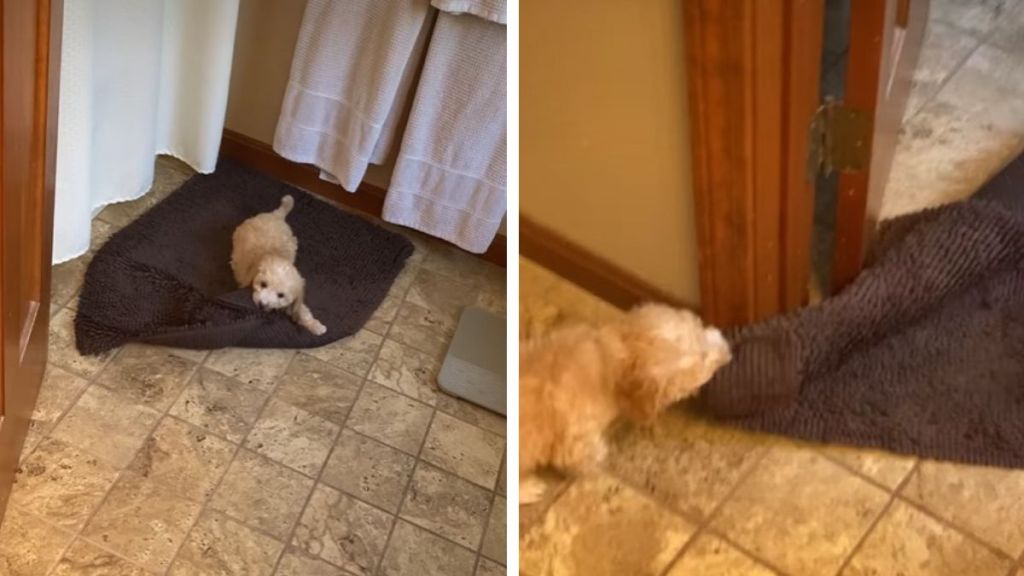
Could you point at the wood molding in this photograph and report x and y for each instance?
(583, 268)
(752, 71)
(368, 199)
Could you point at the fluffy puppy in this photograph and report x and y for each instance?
(263, 256)
(575, 381)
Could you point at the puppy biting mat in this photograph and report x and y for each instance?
(166, 279)
(922, 354)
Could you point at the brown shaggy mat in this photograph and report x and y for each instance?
(166, 279)
(923, 354)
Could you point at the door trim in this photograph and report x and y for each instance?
(25, 346)
(753, 73)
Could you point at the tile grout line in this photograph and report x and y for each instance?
(877, 520)
(968, 534)
(204, 505)
(487, 521)
(704, 524)
(120, 472)
(330, 452)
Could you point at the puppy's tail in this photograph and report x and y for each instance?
(286, 206)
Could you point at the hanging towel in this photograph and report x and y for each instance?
(493, 10)
(449, 179)
(352, 61)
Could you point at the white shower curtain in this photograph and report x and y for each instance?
(138, 78)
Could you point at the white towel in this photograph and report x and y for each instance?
(352, 61)
(493, 10)
(449, 180)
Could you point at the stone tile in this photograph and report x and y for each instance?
(464, 449)
(142, 521)
(910, 543)
(62, 351)
(424, 329)
(292, 437)
(57, 393)
(369, 470)
(183, 458)
(390, 417)
(989, 88)
(382, 317)
(450, 261)
(494, 543)
(66, 279)
(665, 459)
(343, 531)
(105, 425)
(493, 296)
(197, 356)
(29, 546)
(257, 367)
(62, 484)
(886, 468)
(944, 154)
(100, 232)
(599, 513)
(296, 563)
(319, 388)
(447, 505)
(945, 47)
(712, 556)
(219, 404)
(488, 568)
(262, 493)
(1009, 31)
(219, 545)
(165, 181)
(354, 354)
(416, 552)
(147, 375)
(800, 511)
(406, 370)
(975, 17)
(979, 499)
(85, 559)
(471, 413)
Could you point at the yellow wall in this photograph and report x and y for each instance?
(604, 152)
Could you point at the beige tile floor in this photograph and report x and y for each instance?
(688, 497)
(342, 460)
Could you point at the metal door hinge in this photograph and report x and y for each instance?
(840, 139)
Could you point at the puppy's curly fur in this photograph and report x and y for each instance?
(263, 256)
(577, 380)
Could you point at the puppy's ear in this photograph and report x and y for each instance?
(656, 376)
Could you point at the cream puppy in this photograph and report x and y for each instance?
(263, 256)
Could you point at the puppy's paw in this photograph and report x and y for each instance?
(316, 328)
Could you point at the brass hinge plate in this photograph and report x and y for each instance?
(840, 139)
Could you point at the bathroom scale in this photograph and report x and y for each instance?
(474, 368)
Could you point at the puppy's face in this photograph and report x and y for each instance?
(673, 355)
(277, 284)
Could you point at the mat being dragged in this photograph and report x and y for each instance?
(166, 278)
(923, 354)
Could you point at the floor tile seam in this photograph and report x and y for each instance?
(703, 524)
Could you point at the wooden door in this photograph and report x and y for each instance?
(754, 75)
(30, 40)
(885, 38)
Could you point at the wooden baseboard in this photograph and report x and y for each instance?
(585, 269)
(368, 199)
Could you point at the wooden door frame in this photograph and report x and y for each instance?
(30, 92)
(753, 72)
